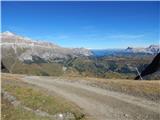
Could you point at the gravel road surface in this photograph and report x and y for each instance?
(98, 103)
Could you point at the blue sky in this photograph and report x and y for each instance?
(97, 25)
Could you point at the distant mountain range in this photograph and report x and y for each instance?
(152, 49)
(49, 51)
(26, 56)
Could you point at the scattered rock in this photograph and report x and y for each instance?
(65, 116)
(125, 115)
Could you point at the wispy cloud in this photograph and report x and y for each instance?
(113, 36)
(126, 36)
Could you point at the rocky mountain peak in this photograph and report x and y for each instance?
(153, 46)
(129, 48)
(8, 33)
(152, 49)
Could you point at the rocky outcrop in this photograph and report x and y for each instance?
(153, 67)
(4, 68)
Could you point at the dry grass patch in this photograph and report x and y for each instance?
(146, 89)
(8, 76)
(9, 112)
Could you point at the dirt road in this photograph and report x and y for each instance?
(98, 103)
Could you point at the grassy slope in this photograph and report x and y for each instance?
(46, 69)
(107, 67)
(34, 98)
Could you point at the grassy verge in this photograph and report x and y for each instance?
(146, 89)
(9, 112)
(34, 98)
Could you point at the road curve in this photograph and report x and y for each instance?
(98, 103)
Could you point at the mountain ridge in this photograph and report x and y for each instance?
(44, 50)
(150, 49)
(48, 51)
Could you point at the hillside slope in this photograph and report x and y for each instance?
(153, 67)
